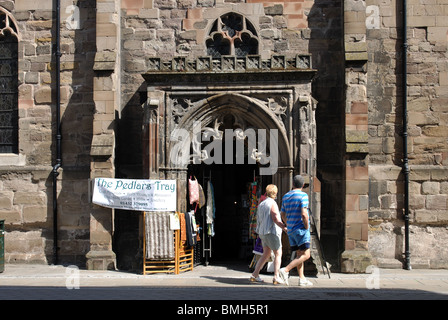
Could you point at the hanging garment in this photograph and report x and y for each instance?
(201, 196)
(253, 212)
(210, 209)
(211, 229)
(198, 233)
(183, 228)
(190, 226)
(159, 236)
(193, 190)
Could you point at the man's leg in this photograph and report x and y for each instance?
(303, 256)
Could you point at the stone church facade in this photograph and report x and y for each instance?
(356, 92)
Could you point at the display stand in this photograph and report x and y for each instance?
(183, 260)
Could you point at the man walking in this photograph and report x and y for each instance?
(295, 212)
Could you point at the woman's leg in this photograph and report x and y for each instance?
(277, 262)
(261, 261)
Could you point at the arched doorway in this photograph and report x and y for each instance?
(189, 117)
(234, 145)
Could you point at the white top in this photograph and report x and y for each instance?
(265, 224)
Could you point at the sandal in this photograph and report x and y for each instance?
(278, 281)
(257, 279)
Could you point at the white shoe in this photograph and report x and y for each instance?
(277, 281)
(283, 275)
(305, 283)
(257, 279)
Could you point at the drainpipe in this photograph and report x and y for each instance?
(405, 140)
(58, 134)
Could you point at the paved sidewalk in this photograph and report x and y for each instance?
(44, 282)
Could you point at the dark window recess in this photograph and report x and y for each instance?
(8, 86)
(232, 34)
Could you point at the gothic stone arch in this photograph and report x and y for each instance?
(248, 117)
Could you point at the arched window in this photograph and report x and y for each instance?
(8, 84)
(232, 34)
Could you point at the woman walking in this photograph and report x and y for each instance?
(269, 229)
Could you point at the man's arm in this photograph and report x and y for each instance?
(283, 215)
(305, 218)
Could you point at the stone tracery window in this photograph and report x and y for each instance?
(8, 84)
(232, 34)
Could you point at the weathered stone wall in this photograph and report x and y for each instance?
(427, 131)
(26, 186)
(23, 203)
(326, 44)
(356, 257)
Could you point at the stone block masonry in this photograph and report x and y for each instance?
(25, 187)
(24, 204)
(356, 257)
(426, 86)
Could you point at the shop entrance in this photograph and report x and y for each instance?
(191, 132)
(230, 242)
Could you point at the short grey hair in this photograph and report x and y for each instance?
(298, 181)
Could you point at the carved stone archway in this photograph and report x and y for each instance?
(205, 118)
(272, 95)
(247, 113)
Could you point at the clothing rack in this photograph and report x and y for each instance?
(183, 259)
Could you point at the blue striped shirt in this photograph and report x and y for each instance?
(292, 204)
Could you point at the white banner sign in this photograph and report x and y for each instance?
(135, 194)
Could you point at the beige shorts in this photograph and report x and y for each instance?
(271, 241)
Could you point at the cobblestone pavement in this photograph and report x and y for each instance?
(215, 283)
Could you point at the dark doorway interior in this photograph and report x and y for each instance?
(231, 244)
(232, 185)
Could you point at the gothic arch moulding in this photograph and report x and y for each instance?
(8, 25)
(247, 119)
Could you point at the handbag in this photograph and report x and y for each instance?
(258, 247)
(193, 190)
